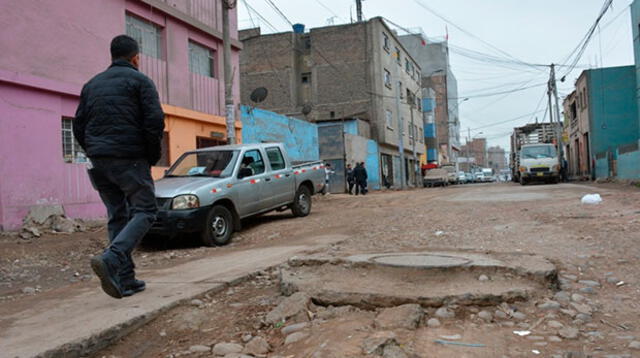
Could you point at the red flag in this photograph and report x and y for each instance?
(424, 43)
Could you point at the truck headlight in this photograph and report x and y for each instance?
(184, 202)
(523, 169)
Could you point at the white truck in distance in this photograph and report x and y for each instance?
(534, 154)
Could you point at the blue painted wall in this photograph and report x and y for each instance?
(299, 137)
(432, 154)
(629, 165)
(635, 28)
(351, 127)
(613, 108)
(373, 165)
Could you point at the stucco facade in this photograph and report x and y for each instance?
(578, 150)
(51, 48)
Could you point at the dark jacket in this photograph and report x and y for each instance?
(360, 173)
(350, 176)
(120, 116)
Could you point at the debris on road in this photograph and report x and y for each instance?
(591, 199)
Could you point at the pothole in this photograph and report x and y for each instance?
(431, 279)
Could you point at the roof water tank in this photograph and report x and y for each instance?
(298, 28)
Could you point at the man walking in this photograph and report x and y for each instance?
(351, 180)
(360, 174)
(119, 124)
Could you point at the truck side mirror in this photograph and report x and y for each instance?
(245, 172)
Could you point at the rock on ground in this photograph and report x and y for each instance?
(222, 349)
(444, 312)
(292, 328)
(635, 345)
(256, 346)
(199, 349)
(406, 316)
(433, 322)
(485, 315)
(393, 351)
(295, 337)
(376, 343)
(295, 306)
(569, 333)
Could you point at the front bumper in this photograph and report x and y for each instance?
(539, 175)
(173, 222)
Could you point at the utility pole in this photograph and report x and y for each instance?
(400, 135)
(415, 136)
(558, 122)
(228, 73)
(359, 10)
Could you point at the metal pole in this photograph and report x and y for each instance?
(400, 137)
(415, 135)
(228, 80)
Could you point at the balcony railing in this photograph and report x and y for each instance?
(205, 11)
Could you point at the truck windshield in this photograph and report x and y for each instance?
(539, 152)
(215, 163)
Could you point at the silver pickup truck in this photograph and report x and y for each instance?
(208, 191)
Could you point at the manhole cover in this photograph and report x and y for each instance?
(421, 260)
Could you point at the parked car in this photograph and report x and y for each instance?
(435, 177)
(470, 178)
(478, 177)
(462, 178)
(451, 173)
(208, 191)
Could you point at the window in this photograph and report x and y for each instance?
(275, 158)
(253, 159)
(421, 135)
(307, 42)
(206, 142)
(400, 88)
(401, 126)
(201, 60)
(389, 119)
(407, 65)
(409, 96)
(164, 151)
(306, 78)
(419, 100)
(385, 42)
(147, 34)
(71, 150)
(398, 56)
(387, 78)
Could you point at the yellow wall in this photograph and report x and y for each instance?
(184, 125)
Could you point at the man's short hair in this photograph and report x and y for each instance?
(124, 46)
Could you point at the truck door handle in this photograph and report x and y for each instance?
(287, 175)
(267, 179)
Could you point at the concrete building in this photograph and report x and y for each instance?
(349, 72)
(477, 151)
(577, 127)
(51, 48)
(603, 125)
(439, 81)
(496, 159)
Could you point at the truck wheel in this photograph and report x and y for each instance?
(218, 227)
(302, 202)
(523, 181)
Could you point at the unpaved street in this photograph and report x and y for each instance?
(592, 308)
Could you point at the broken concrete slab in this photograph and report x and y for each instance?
(430, 279)
(77, 321)
(38, 214)
(406, 316)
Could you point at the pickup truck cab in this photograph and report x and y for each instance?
(208, 191)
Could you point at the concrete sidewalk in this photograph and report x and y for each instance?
(87, 319)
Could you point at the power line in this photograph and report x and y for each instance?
(277, 10)
(507, 121)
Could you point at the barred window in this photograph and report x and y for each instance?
(147, 34)
(389, 119)
(71, 150)
(201, 60)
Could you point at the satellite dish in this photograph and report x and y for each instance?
(306, 109)
(259, 94)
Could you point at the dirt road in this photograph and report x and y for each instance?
(595, 248)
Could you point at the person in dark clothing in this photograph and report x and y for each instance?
(119, 123)
(351, 180)
(360, 175)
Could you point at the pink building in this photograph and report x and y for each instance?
(51, 48)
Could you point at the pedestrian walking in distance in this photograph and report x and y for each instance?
(360, 174)
(328, 171)
(119, 124)
(351, 179)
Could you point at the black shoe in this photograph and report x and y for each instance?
(109, 280)
(130, 288)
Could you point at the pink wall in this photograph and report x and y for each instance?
(49, 50)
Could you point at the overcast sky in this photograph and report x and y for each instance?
(533, 31)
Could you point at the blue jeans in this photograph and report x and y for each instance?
(126, 189)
